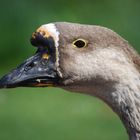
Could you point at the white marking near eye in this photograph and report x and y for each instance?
(53, 31)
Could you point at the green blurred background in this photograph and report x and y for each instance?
(50, 113)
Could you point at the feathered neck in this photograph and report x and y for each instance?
(123, 96)
(125, 101)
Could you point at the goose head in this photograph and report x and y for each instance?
(87, 59)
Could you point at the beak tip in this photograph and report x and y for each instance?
(3, 82)
(2, 85)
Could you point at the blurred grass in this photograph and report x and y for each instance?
(54, 114)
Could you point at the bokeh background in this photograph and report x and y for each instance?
(51, 113)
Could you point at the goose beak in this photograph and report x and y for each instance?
(37, 71)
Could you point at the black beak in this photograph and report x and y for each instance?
(37, 71)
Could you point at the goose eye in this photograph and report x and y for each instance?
(80, 43)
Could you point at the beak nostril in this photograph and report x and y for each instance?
(29, 66)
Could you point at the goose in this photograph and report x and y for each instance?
(87, 59)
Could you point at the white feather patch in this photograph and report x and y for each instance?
(53, 31)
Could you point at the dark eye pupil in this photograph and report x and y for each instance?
(80, 43)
